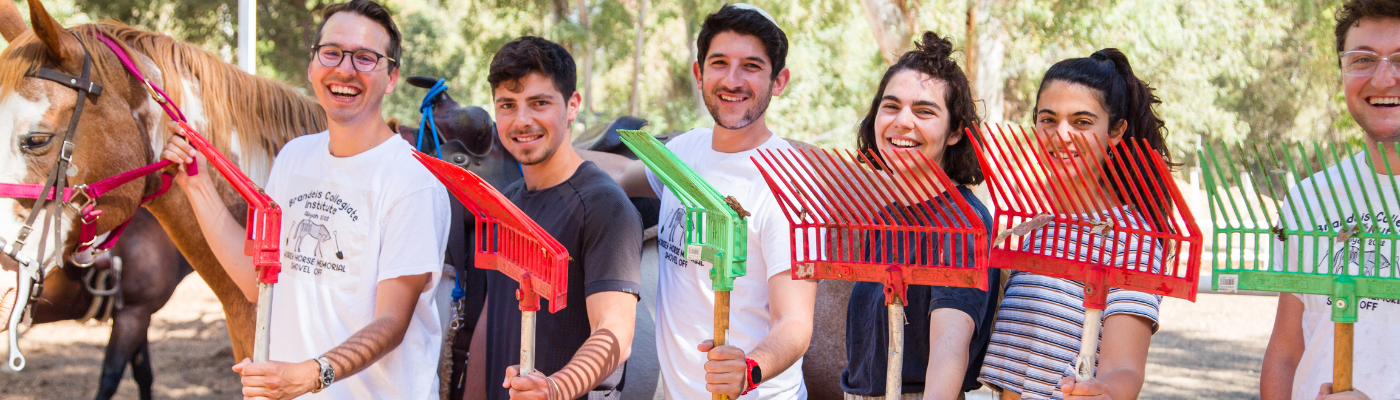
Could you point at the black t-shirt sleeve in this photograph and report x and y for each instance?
(611, 244)
(968, 300)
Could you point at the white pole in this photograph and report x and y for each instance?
(247, 35)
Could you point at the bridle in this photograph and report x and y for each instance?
(55, 194)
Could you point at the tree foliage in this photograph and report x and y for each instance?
(1225, 69)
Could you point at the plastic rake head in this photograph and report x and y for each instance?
(900, 226)
(1305, 218)
(507, 240)
(716, 228)
(1076, 207)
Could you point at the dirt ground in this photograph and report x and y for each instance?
(1207, 350)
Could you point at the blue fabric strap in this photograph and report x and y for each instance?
(427, 122)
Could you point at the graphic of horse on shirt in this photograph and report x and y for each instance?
(320, 233)
(1357, 260)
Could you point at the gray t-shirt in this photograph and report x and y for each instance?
(592, 217)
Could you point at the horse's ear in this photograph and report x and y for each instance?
(11, 22)
(48, 30)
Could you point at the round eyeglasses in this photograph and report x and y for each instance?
(1366, 63)
(363, 60)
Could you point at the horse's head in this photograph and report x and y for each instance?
(117, 131)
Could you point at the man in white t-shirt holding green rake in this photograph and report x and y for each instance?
(740, 69)
(1363, 209)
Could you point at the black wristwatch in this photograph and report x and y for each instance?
(327, 376)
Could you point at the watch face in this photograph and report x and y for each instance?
(755, 375)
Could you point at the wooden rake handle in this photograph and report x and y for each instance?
(1088, 345)
(721, 326)
(894, 358)
(1341, 357)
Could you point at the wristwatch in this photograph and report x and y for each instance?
(755, 376)
(327, 375)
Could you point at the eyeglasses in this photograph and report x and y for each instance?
(1364, 63)
(363, 60)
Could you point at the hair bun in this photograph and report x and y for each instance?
(932, 45)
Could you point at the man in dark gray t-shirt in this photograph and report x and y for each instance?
(579, 350)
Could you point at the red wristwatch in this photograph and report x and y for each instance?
(754, 376)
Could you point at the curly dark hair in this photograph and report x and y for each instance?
(529, 54)
(1353, 11)
(374, 12)
(744, 21)
(931, 57)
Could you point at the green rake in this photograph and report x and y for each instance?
(716, 229)
(1274, 232)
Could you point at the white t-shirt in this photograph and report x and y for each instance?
(347, 224)
(685, 303)
(1376, 353)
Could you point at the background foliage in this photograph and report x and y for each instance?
(1225, 69)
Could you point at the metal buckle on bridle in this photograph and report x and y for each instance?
(78, 206)
(12, 249)
(67, 153)
(152, 90)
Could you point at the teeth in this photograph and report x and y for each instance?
(342, 90)
(903, 142)
(523, 139)
(1379, 101)
(730, 98)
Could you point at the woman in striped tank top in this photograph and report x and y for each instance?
(1037, 331)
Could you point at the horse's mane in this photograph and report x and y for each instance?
(265, 113)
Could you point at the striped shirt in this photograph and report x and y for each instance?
(1037, 332)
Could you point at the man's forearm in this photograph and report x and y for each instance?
(225, 237)
(1276, 378)
(367, 345)
(597, 359)
(784, 345)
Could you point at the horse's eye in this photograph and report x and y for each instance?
(34, 141)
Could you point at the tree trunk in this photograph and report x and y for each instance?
(587, 114)
(893, 23)
(986, 54)
(637, 51)
(691, 21)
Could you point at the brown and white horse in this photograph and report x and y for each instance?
(248, 118)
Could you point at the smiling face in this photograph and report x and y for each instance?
(347, 94)
(1374, 101)
(736, 79)
(1080, 130)
(533, 121)
(913, 115)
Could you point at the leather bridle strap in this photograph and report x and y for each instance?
(57, 179)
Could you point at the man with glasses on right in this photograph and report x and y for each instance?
(1298, 361)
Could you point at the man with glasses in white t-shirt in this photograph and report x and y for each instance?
(1298, 361)
(364, 227)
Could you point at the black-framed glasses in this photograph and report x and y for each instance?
(363, 60)
(1365, 63)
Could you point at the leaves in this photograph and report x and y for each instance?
(1224, 69)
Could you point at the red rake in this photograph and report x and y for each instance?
(509, 241)
(263, 237)
(853, 222)
(1059, 201)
